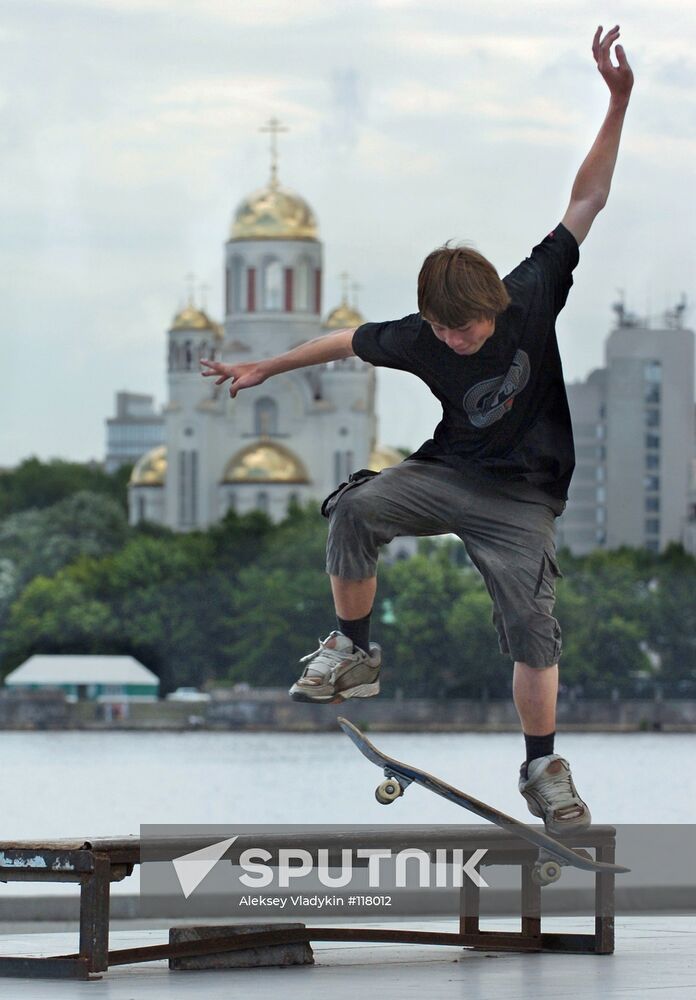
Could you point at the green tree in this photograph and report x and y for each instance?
(274, 619)
(35, 484)
(163, 598)
(483, 671)
(603, 606)
(57, 616)
(672, 619)
(40, 542)
(421, 591)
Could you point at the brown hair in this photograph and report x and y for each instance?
(457, 285)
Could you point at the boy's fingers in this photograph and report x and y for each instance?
(608, 41)
(595, 42)
(621, 57)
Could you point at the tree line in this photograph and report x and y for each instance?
(244, 600)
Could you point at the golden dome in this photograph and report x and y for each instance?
(151, 468)
(383, 457)
(274, 213)
(265, 462)
(193, 318)
(343, 317)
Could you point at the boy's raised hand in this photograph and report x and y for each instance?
(243, 376)
(619, 78)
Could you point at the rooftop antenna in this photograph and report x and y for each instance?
(624, 318)
(619, 307)
(674, 318)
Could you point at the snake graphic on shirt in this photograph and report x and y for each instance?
(486, 402)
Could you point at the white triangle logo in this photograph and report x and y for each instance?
(192, 868)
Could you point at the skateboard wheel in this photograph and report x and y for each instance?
(546, 873)
(388, 791)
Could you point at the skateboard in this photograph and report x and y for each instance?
(553, 855)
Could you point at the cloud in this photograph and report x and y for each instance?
(129, 130)
(346, 109)
(679, 73)
(465, 44)
(239, 102)
(380, 155)
(240, 12)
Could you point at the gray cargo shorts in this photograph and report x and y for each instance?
(511, 542)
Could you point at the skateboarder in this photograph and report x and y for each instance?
(497, 469)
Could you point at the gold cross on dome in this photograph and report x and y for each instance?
(274, 128)
(344, 276)
(190, 280)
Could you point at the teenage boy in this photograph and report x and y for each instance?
(497, 469)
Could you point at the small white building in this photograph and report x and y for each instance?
(87, 678)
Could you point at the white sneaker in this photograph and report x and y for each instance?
(338, 670)
(548, 787)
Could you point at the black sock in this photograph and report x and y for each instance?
(538, 746)
(357, 630)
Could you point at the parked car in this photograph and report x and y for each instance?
(188, 694)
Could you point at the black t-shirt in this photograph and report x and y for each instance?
(505, 416)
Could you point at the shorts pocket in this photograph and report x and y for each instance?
(549, 572)
(553, 563)
(355, 479)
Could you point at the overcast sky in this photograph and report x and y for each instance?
(129, 132)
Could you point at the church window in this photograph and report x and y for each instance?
(302, 285)
(265, 417)
(288, 290)
(343, 465)
(235, 298)
(187, 469)
(262, 503)
(251, 290)
(317, 290)
(272, 286)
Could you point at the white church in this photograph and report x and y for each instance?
(298, 435)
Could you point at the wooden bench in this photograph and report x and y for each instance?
(96, 862)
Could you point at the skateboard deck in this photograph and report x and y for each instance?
(552, 853)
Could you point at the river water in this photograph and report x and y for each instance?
(65, 784)
(91, 784)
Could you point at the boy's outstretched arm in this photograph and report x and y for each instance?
(593, 181)
(329, 347)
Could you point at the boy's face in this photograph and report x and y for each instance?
(467, 339)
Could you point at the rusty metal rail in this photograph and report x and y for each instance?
(96, 862)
